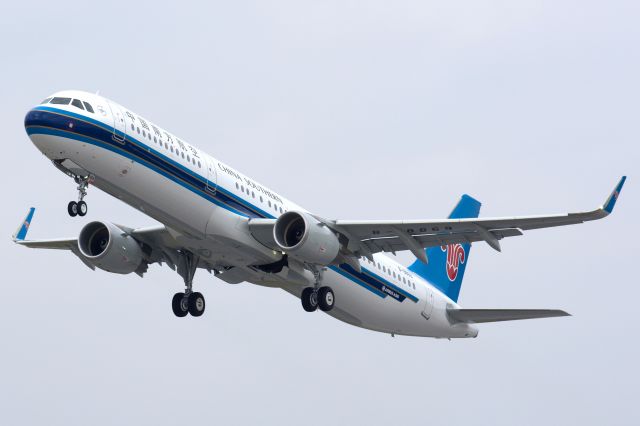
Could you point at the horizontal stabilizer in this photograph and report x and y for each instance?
(495, 315)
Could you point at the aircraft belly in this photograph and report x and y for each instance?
(384, 314)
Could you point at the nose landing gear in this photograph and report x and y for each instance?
(79, 208)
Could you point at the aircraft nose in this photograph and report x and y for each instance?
(31, 119)
(37, 120)
(43, 127)
(40, 121)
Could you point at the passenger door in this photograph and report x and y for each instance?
(119, 125)
(428, 306)
(211, 175)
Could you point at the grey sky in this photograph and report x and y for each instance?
(368, 110)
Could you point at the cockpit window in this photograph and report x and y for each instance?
(88, 106)
(46, 101)
(61, 101)
(78, 104)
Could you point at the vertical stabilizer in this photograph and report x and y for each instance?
(447, 264)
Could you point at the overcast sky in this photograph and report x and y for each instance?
(355, 110)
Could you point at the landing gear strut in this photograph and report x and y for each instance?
(189, 302)
(79, 208)
(317, 296)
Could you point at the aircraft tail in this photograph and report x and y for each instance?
(447, 264)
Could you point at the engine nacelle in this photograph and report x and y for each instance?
(107, 247)
(306, 238)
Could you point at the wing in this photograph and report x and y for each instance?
(162, 244)
(392, 236)
(365, 237)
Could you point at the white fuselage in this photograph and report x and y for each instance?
(209, 204)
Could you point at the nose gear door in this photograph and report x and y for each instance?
(119, 125)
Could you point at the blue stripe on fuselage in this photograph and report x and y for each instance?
(52, 121)
(89, 131)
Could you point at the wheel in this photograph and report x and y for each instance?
(196, 304)
(309, 299)
(72, 208)
(326, 299)
(179, 305)
(82, 208)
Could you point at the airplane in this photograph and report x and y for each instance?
(215, 218)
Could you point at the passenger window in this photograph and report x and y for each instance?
(199, 165)
(253, 194)
(88, 107)
(261, 199)
(237, 186)
(76, 103)
(182, 155)
(269, 203)
(132, 127)
(46, 101)
(60, 101)
(138, 129)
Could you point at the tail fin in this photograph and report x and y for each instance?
(446, 266)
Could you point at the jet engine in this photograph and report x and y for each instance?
(306, 238)
(109, 248)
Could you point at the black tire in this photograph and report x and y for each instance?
(82, 208)
(72, 208)
(309, 299)
(326, 299)
(196, 304)
(180, 309)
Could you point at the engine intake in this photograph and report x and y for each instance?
(109, 248)
(306, 238)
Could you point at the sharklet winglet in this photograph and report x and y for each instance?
(611, 201)
(21, 232)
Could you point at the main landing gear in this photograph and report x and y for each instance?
(317, 296)
(79, 208)
(189, 302)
